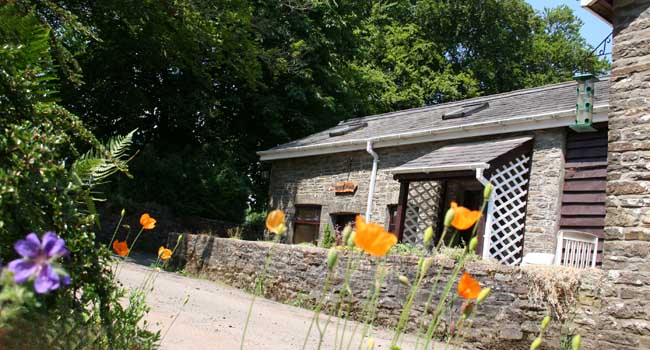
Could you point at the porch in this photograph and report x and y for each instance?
(458, 173)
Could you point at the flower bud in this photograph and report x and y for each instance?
(576, 342)
(487, 191)
(371, 343)
(403, 280)
(350, 240)
(123, 212)
(449, 217)
(180, 237)
(466, 309)
(346, 233)
(483, 295)
(472, 244)
(282, 229)
(545, 322)
(332, 258)
(536, 343)
(426, 264)
(428, 235)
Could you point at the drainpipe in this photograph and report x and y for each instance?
(373, 178)
(487, 239)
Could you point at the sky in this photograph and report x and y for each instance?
(594, 28)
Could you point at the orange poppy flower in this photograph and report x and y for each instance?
(147, 222)
(372, 238)
(121, 248)
(463, 217)
(164, 253)
(275, 222)
(468, 287)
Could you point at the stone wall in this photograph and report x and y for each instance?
(508, 319)
(545, 191)
(627, 244)
(310, 180)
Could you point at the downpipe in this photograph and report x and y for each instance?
(373, 178)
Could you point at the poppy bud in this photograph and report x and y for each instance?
(403, 280)
(472, 244)
(487, 191)
(428, 235)
(576, 342)
(282, 229)
(426, 264)
(483, 294)
(332, 258)
(346, 233)
(449, 217)
(467, 308)
(545, 322)
(180, 237)
(536, 343)
(371, 343)
(350, 240)
(123, 212)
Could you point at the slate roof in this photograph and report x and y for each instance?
(471, 155)
(511, 105)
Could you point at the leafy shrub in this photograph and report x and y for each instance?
(328, 237)
(254, 225)
(39, 191)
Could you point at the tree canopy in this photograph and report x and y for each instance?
(207, 83)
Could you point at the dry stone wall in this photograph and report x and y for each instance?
(626, 253)
(508, 319)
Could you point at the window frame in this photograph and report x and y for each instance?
(315, 222)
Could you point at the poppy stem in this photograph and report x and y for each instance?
(258, 288)
(319, 307)
(440, 308)
(115, 231)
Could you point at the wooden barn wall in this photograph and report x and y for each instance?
(585, 179)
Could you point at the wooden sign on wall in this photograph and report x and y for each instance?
(345, 187)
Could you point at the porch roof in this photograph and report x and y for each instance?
(461, 157)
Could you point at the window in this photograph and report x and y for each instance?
(306, 223)
(466, 110)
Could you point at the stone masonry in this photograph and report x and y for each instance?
(627, 244)
(310, 180)
(545, 191)
(509, 318)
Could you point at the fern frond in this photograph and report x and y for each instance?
(95, 166)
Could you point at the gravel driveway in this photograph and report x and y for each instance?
(215, 314)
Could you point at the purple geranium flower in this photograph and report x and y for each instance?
(37, 258)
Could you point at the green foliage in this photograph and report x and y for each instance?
(407, 249)
(39, 140)
(254, 225)
(209, 83)
(328, 237)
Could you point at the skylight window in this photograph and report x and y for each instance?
(465, 110)
(345, 129)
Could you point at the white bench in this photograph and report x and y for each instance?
(576, 249)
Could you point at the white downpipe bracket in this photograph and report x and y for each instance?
(373, 178)
(488, 216)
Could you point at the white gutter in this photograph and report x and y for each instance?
(526, 123)
(373, 178)
(440, 168)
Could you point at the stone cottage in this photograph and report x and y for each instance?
(402, 169)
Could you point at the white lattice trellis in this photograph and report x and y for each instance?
(504, 232)
(421, 210)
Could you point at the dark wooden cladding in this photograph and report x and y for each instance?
(585, 179)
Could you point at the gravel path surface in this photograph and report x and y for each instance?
(215, 315)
